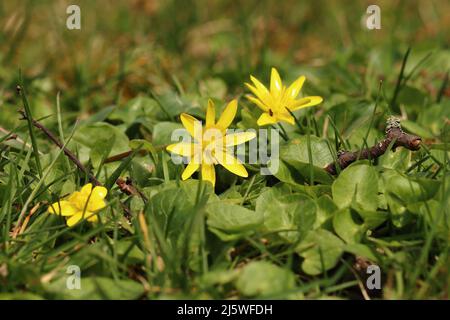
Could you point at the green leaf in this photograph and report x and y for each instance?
(403, 192)
(190, 188)
(347, 227)
(357, 185)
(408, 189)
(99, 116)
(362, 250)
(249, 118)
(400, 159)
(295, 155)
(213, 88)
(96, 288)
(172, 209)
(373, 219)
(325, 209)
(162, 133)
(433, 116)
(295, 213)
(297, 173)
(174, 104)
(219, 277)
(414, 128)
(98, 141)
(146, 145)
(320, 250)
(232, 218)
(285, 173)
(357, 137)
(259, 279)
(136, 110)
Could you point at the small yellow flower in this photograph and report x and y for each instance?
(80, 205)
(211, 143)
(278, 100)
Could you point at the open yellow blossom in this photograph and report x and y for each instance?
(80, 205)
(278, 100)
(211, 143)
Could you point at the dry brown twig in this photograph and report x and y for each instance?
(66, 151)
(394, 136)
(127, 187)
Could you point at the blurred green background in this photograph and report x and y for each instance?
(125, 48)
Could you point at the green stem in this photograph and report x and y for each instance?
(284, 135)
(308, 142)
(399, 81)
(30, 124)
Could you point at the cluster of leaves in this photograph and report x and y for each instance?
(267, 236)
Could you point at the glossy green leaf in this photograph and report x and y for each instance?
(357, 185)
(288, 215)
(261, 278)
(320, 250)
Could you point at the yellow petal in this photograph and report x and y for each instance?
(210, 114)
(74, 197)
(286, 117)
(96, 202)
(260, 91)
(258, 102)
(275, 83)
(266, 119)
(227, 116)
(189, 170)
(63, 208)
(208, 173)
(73, 220)
(305, 102)
(237, 138)
(295, 87)
(86, 189)
(231, 163)
(182, 148)
(191, 124)
(100, 192)
(80, 215)
(93, 218)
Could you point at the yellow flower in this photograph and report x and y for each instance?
(278, 100)
(80, 205)
(211, 143)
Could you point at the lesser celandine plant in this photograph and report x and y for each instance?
(210, 143)
(279, 101)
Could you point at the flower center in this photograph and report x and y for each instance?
(210, 135)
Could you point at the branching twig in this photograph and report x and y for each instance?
(394, 135)
(13, 136)
(67, 152)
(127, 187)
